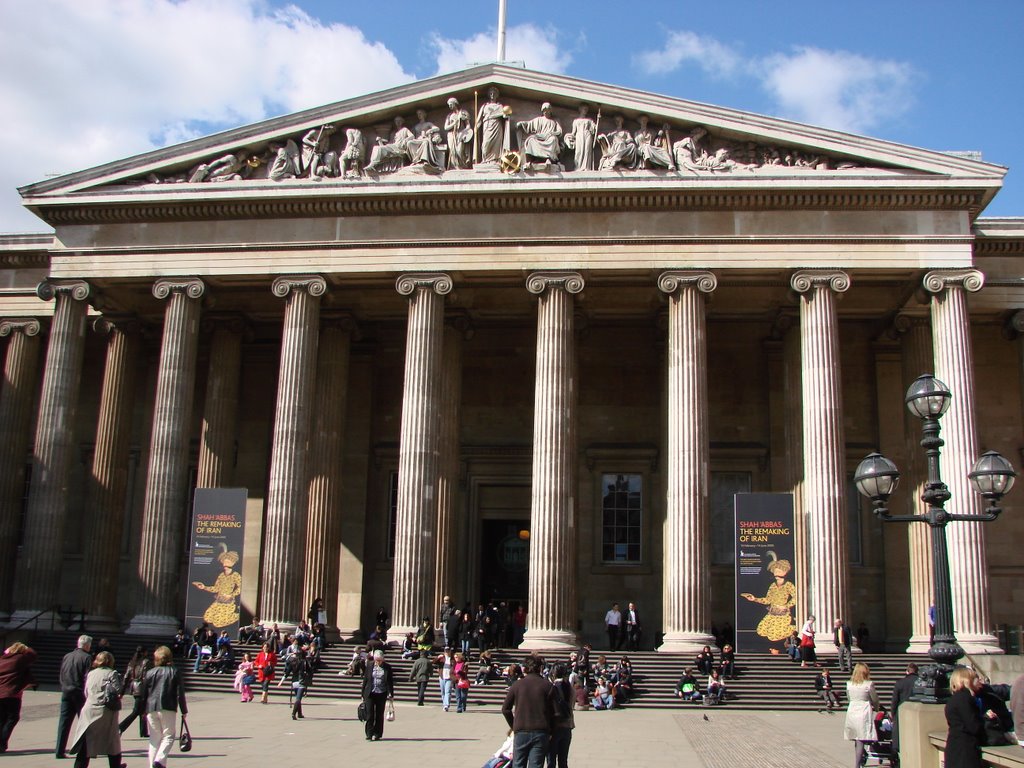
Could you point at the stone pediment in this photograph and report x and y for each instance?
(493, 126)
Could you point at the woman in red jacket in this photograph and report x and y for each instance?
(15, 677)
(266, 660)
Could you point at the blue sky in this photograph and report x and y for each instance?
(85, 83)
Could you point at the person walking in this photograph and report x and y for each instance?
(842, 637)
(15, 677)
(134, 679)
(96, 731)
(420, 674)
(165, 695)
(444, 664)
(378, 692)
(460, 674)
(266, 661)
(298, 671)
(860, 711)
(529, 710)
(633, 627)
(808, 655)
(74, 668)
(613, 622)
(563, 724)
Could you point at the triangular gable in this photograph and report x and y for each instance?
(737, 146)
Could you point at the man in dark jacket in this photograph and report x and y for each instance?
(420, 674)
(529, 711)
(901, 692)
(73, 670)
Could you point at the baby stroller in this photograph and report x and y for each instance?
(879, 752)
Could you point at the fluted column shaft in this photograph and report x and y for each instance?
(553, 609)
(448, 461)
(37, 579)
(165, 510)
(917, 359)
(954, 365)
(17, 396)
(824, 495)
(108, 481)
(416, 526)
(795, 467)
(220, 409)
(284, 540)
(325, 463)
(687, 558)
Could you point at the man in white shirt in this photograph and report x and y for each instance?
(613, 620)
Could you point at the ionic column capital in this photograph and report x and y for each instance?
(538, 282)
(1014, 324)
(808, 279)
(671, 281)
(29, 326)
(192, 287)
(106, 324)
(314, 285)
(439, 282)
(903, 322)
(939, 280)
(76, 289)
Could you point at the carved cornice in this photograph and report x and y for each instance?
(76, 289)
(192, 287)
(438, 282)
(452, 202)
(21, 260)
(29, 326)
(671, 281)
(807, 279)
(939, 280)
(538, 282)
(314, 285)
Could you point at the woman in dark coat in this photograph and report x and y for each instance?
(966, 727)
(378, 691)
(134, 679)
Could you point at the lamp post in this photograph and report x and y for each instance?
(992, 477)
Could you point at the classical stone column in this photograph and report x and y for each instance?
(792, 378)
(415, 535)
(284, 539)
(553, 609)
(220, 409)
(108, 481)
(165, 510)
(917, 359)
(17, 396)
(824, 496)
(323, 538)
(448, 460)
(1015, 330)
(687, 557)
(37, 579)
(954, 365)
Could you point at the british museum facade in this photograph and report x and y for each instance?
(506, 335)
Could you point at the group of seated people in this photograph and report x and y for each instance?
(689, 689)
(215, 653)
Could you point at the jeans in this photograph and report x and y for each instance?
(461, 696)
(558, 751)
(530, 749)
(446, 693)
(298, 691)
(10, 714)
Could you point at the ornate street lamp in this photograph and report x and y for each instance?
(992, 477)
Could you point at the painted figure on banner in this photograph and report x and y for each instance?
(223, 611)
(777, 623)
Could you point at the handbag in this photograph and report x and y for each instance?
(390, 715)
(185, 740)
(361, 711)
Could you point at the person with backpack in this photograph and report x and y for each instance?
(562, 697)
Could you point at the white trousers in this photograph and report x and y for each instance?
(161, 735)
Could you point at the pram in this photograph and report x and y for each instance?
(879, 752)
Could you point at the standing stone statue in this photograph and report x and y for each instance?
(651, 149)
(459, 133)
(350, 162)
(317, 159)
(618, 147)
(392, 154)
(492, 126)
(582, 139)
(540, 139)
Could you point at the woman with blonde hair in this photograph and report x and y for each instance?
(96, 731)
(860, 712)
(165, 695)
(966, 726)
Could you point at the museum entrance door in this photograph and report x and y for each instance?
(504, 560)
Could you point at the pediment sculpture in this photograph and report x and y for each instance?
(489, 139)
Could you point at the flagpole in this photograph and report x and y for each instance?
(501, 32)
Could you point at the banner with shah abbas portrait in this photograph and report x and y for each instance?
(215, 559)
(765, 590)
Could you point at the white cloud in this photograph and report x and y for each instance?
(683, 46)
(537, 47)
(838, 89)
(89, 82)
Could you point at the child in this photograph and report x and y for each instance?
(503, 757)
(245, 677)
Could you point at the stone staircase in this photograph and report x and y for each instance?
(761, 683)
